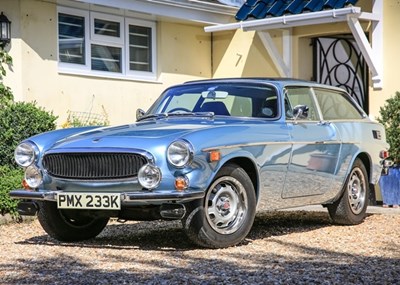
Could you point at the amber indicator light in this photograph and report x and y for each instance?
(215, 156)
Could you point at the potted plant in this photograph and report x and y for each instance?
(390, 118)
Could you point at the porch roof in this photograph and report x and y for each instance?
(286, 14)
(260, 9)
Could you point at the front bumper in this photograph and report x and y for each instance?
(127, 198)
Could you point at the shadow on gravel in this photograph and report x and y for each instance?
(169, 236)
(186, 266)
(267, 224)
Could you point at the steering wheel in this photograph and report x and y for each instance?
(177, 109)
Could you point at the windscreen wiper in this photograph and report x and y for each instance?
(176, 114)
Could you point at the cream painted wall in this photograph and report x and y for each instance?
(184, 53)
(241, 54)
(391, 59)
(13, 79)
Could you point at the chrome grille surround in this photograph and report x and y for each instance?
(93, 165)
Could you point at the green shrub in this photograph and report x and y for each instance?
(10, 178)
(19, 121)
(390, 118)
(6, 95)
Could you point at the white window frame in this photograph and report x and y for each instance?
(152, 26)
(73, 66)
(120, 42)
(102, 38)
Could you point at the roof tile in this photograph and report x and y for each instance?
(260, 9)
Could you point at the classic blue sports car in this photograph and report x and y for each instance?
(209, 153)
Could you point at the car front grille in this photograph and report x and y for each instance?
(93, 166)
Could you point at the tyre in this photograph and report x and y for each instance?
(226, 215)
(351, 207)
(68, 225)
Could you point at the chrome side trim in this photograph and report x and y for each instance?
(245, 145)
(275, 143)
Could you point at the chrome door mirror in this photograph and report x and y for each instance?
(300, 112)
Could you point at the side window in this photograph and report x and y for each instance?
(300, 96)
(336, 105)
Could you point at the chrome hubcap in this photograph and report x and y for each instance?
(226, 205)
(356, 190)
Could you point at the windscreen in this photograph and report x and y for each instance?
(223, 99)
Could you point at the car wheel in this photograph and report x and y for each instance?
(226, 215)
(68, 225)
(351, 208)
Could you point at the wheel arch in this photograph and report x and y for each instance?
(366, 160)
(250, 168)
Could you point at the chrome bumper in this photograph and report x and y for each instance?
(126, 198)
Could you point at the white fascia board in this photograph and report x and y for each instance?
(183, 10)
(304, 19)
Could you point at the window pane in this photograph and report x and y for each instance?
(336, 106)
(140, 48)
(106, 28)
(106, 58)
(71, 38)
(300, 96)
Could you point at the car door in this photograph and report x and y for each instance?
(315, 147)
(346, 119)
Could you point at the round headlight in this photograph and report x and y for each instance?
(149, 176)
(180, 153)
(33, 176)
(25, 154)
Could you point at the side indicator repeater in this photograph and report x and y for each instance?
(214, 155)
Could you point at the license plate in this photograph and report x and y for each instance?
(95, 201)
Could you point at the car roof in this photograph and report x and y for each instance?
(277, 81)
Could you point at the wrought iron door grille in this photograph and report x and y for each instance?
(93, 166)
(338, 61)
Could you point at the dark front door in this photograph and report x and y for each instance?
(338, 62)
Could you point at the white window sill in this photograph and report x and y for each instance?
(109, 75)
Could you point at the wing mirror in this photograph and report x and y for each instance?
(139, 113)
(300, 112)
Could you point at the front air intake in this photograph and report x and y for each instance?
(93, 166)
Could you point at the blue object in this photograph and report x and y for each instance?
(260, 9)
(209, 153)
(279, 8)
(314, 5)
(390, 187)
(245, 10)
(334, 4)
(296, 6)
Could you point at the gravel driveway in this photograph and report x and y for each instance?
(282, 248)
